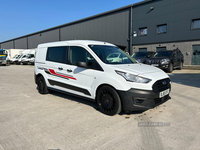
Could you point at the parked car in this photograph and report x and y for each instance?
(81, 68)
(19, 60)
(142, 56)
(32, 61)
(114, 57)
(27, 59)
(167, 60)
(14, 59)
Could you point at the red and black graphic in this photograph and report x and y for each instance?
(52, 72)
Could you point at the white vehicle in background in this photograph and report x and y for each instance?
(19, 60)
(12, 54)
(82, 68)
(32, 61)
(114, 57)
(24, 54)
(14, 59)
(29, 58)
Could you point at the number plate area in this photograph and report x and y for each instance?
(163, 93)
(155, 65)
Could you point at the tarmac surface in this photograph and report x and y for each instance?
(31, 121)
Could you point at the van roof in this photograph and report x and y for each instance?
(78, 42)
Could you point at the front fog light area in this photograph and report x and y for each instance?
(133, 78)
(164, 61)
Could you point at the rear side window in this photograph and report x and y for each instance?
(57, 54)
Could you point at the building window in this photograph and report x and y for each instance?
(160, 49)
(142, 49)
(161, 29)
(143, 31)
(196, 24)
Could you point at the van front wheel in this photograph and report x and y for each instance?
(42, 87)
(108, 101)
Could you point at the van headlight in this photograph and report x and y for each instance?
(133, 78)
(164, 61)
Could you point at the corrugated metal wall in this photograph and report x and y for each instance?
(112, 27)
(7, 45)
(43, 37)
(21, 43)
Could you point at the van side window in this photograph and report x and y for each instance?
(57, 54)
(80, 54)
(77, 54)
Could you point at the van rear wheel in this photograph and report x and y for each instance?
(42, 87)
(108, 101)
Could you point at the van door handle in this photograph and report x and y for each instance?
(60, 68)
(69, 70)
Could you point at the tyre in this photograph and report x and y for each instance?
(181, 66)
(42, 87)
(170, 68)
(108, 101)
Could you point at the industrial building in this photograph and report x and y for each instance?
(150, 25)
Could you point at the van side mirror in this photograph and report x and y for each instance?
(81, 64)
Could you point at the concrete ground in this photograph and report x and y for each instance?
(30, 121)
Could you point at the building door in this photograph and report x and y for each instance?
(196, 55)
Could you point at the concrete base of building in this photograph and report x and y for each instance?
(191, 67)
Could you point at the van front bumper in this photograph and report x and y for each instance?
(140, 100)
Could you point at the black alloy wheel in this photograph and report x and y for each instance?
(108, 101)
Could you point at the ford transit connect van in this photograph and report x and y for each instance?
(90, 69)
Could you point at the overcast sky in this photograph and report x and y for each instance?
(22, 17)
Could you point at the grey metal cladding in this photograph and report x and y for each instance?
(177, 14)
(7, 45)
(43, 37)
(111, 27)
(21, 43)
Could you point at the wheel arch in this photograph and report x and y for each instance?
(37, 76)
(105, 84)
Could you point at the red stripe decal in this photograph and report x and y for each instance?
(54, 73)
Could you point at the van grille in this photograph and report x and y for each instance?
(154, 61)
(161, 85)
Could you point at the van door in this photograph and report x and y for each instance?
(82, 77)
(63, 74)
(56, 59)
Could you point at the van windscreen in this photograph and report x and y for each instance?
(111, 54)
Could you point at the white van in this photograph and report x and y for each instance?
(85, 68)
